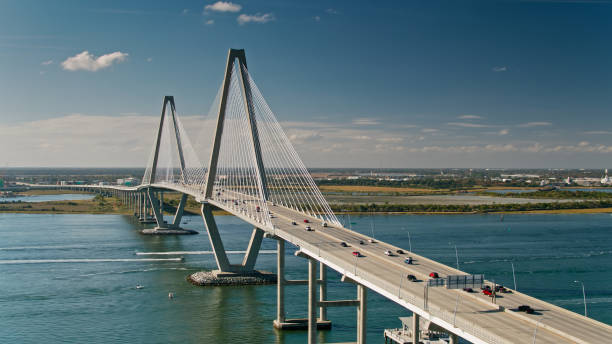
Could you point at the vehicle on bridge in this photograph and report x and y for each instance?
(356, 254)
(434, 275)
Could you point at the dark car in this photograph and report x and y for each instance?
(468, 290)
(434, 275)
(525, 308)
(408, 260)
(399, 252)
(343, 244)
(360, 242)
(411, 278)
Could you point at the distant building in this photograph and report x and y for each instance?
(128, 181)
(606, 180)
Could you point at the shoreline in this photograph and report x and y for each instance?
(224, 213)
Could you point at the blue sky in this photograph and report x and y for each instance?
(355, 84)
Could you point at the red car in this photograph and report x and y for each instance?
(306, 221)
(434, 275)
(356, 254)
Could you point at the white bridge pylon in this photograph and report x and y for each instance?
(252, 163)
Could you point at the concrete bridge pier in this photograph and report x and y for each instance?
(231, 274)
(163, 227)
(281, 322)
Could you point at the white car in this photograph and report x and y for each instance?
(388, 253)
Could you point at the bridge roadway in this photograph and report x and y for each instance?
(477, 319)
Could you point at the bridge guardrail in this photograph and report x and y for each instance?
(405, 295)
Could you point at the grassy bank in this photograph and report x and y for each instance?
(554, 194)
(37, 192)
(467, 208)
(97, 205)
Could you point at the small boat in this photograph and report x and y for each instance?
(171, 295)
(139, 286)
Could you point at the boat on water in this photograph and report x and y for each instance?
(139, 286)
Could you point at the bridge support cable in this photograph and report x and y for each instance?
(173, 160)
(252, 162)
(236, 169)
(289, 182)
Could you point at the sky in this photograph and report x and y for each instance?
(415, 84)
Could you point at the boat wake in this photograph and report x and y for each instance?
(48, 261)
(172, 253)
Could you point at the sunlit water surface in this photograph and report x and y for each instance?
(94, 301)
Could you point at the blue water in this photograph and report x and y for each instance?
(47, 198)
(97, 302)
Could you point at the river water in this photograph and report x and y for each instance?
(72, 278)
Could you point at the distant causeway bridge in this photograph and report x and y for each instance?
(255, 174)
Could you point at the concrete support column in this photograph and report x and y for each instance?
(215, 239)
(179, 210)
(361, 314)
(146, 209)
(415, 328)
(454, 339)
(250, 257)
(280, 281)
(322, 290)
(312, 301)
(140, 208)
(161, 202)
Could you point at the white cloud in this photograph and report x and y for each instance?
(499, 69)
(365, 121)
(390, 139)
(468, 125)
(303, 136)
(598, 132)
(316, 18)
(88, 140)
(209, 22)
(86, 61)
(469, 117)
(149, 59)
(331, 11)
(223, 6)
(429, 130)
(46, 63)
(362, 137)
(503, 132)
(534, 124)
(255, 18)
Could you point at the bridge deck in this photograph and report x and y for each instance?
(477, 316)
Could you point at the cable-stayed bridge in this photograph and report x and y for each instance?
(252, 171)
